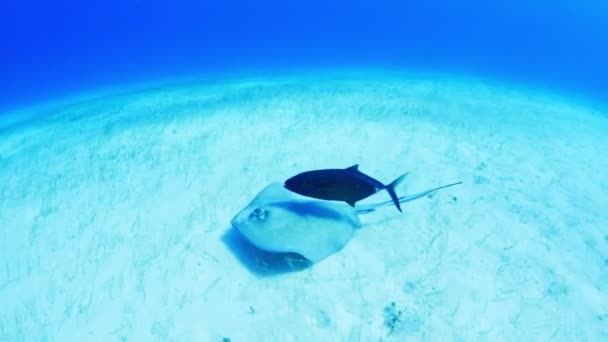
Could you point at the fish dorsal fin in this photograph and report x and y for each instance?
(354, 167)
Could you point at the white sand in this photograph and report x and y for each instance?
(114, 214)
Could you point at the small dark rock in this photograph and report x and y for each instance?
(557, 288)
(401, 321)
(481, 180)
(392, 317)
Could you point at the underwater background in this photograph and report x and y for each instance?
(138, 141)
(62, 47)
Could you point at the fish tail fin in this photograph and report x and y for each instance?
(391, 190)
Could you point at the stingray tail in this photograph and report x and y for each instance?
(391, 190)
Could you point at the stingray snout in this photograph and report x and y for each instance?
(238, 219)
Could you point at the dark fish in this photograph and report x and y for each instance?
(349, 185)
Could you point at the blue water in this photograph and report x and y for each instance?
(144, 146)
(53, 49)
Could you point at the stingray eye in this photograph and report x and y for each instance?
(258, 214)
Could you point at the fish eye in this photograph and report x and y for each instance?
(258, 214)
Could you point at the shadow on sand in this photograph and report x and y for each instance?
(259, 262)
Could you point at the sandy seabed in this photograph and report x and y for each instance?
(115, 214)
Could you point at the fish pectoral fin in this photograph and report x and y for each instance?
(354, 167)
(351, 203)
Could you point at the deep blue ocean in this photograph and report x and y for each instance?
(282, 170)
(279, 170)
(54, 49)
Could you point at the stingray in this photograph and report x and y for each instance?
(281, 221)
(349, 185)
